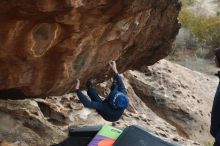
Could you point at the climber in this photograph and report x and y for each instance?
(215, 116)
(112, 108)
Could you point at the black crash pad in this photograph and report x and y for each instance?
(137, 136)
(131, 136)
(80, 136)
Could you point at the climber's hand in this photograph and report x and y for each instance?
(113, 66)
(77, 84)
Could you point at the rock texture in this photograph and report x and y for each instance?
(47, 44)
(46, 121)
(180, 96)
(168, 99)
(22, 123)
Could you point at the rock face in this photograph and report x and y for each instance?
(168, 99)
(45, 121)
(47, 44)
(180, 96)
(24, 124)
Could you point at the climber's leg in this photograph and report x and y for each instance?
(92, 92)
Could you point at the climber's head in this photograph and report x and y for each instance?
(217, 57)
(120, 101)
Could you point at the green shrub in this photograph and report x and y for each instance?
(205, 28)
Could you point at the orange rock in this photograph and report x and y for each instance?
(47, 44)
(5, 143)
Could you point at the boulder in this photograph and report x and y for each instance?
(178, 95)
(47, 44)
(170, 100)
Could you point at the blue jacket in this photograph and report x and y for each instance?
(105, 108)
(215, 116)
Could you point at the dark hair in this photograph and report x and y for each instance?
(217, 54)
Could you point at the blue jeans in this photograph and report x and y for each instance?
(92, 93)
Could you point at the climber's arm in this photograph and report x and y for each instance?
(120, 83)
(118, 78)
